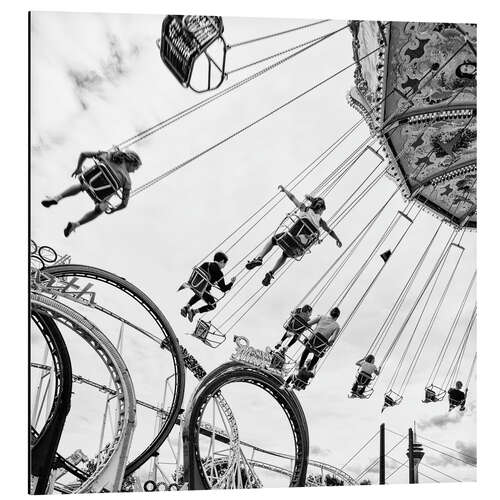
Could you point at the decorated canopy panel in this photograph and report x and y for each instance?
(415, 84)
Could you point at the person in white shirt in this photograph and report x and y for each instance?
(310, 213)
(322, 338)
(366, 370)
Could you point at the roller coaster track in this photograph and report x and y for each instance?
(67, 272)
(44, 443)
(65, 287)
(195, 467)
(72, 291)
(110, 471)
(207, 430)
(325, 468)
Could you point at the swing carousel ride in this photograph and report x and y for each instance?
(415, 87)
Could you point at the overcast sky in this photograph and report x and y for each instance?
(97, 80)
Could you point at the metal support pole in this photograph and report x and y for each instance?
(382, 455)
(34, 410)
(109, 397)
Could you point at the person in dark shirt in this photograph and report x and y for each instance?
(456, 397)
(215, 278)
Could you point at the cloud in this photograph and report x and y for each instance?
(317, 450)
(468, 449)
(441, 421)
(115, 66)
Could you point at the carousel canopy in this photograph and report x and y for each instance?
(417, 92)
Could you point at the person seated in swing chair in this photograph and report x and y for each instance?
(121, 165)
(322, 338)
(294, 327)
(457, 397)
(309, 213)
(215, 278)
(366, 369)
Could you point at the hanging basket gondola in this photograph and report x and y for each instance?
(194, 51)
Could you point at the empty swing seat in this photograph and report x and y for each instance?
(208, 334)
(391, 398)
(295, 236)
(100, 182)
(433, 394)
(184, 41)
(277, 360)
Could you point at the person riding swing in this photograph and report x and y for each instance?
(457, 397)
(294, 327)
(304, 232)
(321, 340)
(106, 178)
(213, 276)
(365, 375)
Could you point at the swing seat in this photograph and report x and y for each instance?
(391, 398)
(208, 334)
(453, 403)
(316, 344)
(295, 236)
(433, 394)
(364, 390)
(364, 395)
(295, 325)
(100, 182)
(193, 50)
(199, 283)
(302, 379)
(278, 360)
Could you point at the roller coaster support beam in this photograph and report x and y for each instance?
(44, 448)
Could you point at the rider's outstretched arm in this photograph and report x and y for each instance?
(293, 199)
(330, 231)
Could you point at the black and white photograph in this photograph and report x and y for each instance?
(252, 256)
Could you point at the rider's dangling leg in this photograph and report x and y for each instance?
(257, 261)
(71, 191)
(270, 274)
(89, 216)
(209, 306)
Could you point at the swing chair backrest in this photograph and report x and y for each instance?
(184, 39)
(317, 345)
(363, 378)
(295, 324)
(208, 334)
(392, 398)
(435, 391)
(296, 235)
(100, 181)
(199, 282)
